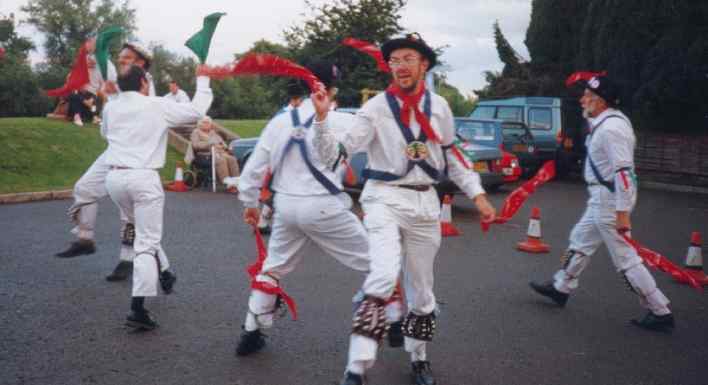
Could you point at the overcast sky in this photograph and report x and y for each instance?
(465, 26)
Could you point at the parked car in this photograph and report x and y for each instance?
(481, 139)
(556, 124)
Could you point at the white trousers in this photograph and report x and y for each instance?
(404, 234)
(598, 226)
(139, 194)
(87, 191)
(298, 221)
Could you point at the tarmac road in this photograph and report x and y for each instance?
(62, 323)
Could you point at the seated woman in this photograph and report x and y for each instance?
(203, 138)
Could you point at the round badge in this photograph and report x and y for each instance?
(594, 83)
(417, 151)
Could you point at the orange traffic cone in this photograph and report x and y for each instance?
(446, 227)
(694, 261)
(533, 243)
(178, 185)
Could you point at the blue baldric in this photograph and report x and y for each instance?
(299, 141)
(408, 135)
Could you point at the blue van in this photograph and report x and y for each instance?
(556, 124)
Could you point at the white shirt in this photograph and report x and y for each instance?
(611, 146)
(96, 79)
(136, 125)
(179, 97)
(292, 176)
(376, 131)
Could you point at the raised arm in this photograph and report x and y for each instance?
(330, 140)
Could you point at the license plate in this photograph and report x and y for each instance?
(481, 167)
(519, 148)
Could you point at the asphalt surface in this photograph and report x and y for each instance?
(62, 323)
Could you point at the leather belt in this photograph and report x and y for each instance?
(414, 187)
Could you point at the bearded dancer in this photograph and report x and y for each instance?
(609, 173)
(407, 133)
(91, 186)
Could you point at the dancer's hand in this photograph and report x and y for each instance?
(486, 210)
(110, 88)
(251, 215)
(322, 103)
(623, 223)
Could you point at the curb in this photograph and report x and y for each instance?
(35, 196)
(673, 187)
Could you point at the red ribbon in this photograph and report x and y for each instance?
(582, 75)
(516, 199)
(255, 268)
(410, 103)
(78, 77)
(369, 49)
(658, 261)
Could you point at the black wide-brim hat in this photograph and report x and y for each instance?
(412, 41)
(606, 88)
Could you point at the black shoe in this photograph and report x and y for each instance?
(352, 379)
(422, 374)
(250, 342)
(80, 247)
(547, 289)
(395, 335)
(167, 281)
(658, 323)
(121, 272)
(140, 320)
(264, 230)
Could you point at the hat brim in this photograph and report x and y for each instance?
(388, 47)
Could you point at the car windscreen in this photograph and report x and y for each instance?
(484, 133)
(513, 130)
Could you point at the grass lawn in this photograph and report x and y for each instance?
(40, 154)
(244, 128)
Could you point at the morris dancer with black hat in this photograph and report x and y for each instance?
(309, 205)
(609, 173)
(407, 133)
(135, 126)
(91, 186)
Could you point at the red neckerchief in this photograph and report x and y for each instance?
(411, 102)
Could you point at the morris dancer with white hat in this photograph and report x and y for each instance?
(407, 133)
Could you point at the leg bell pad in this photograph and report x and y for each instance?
(370, 319)
(419, 327)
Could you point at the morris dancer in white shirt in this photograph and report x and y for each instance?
(609, 173)
(135, 126)
(309, 206)
(177, 94)
(91, 186)
(407, 133)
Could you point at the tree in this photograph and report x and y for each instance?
(68, 23)
(167, 66)
(320, 38)
(19, 90)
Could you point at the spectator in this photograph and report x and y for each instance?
(203, 138)
(176, 94)
(82, 106)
